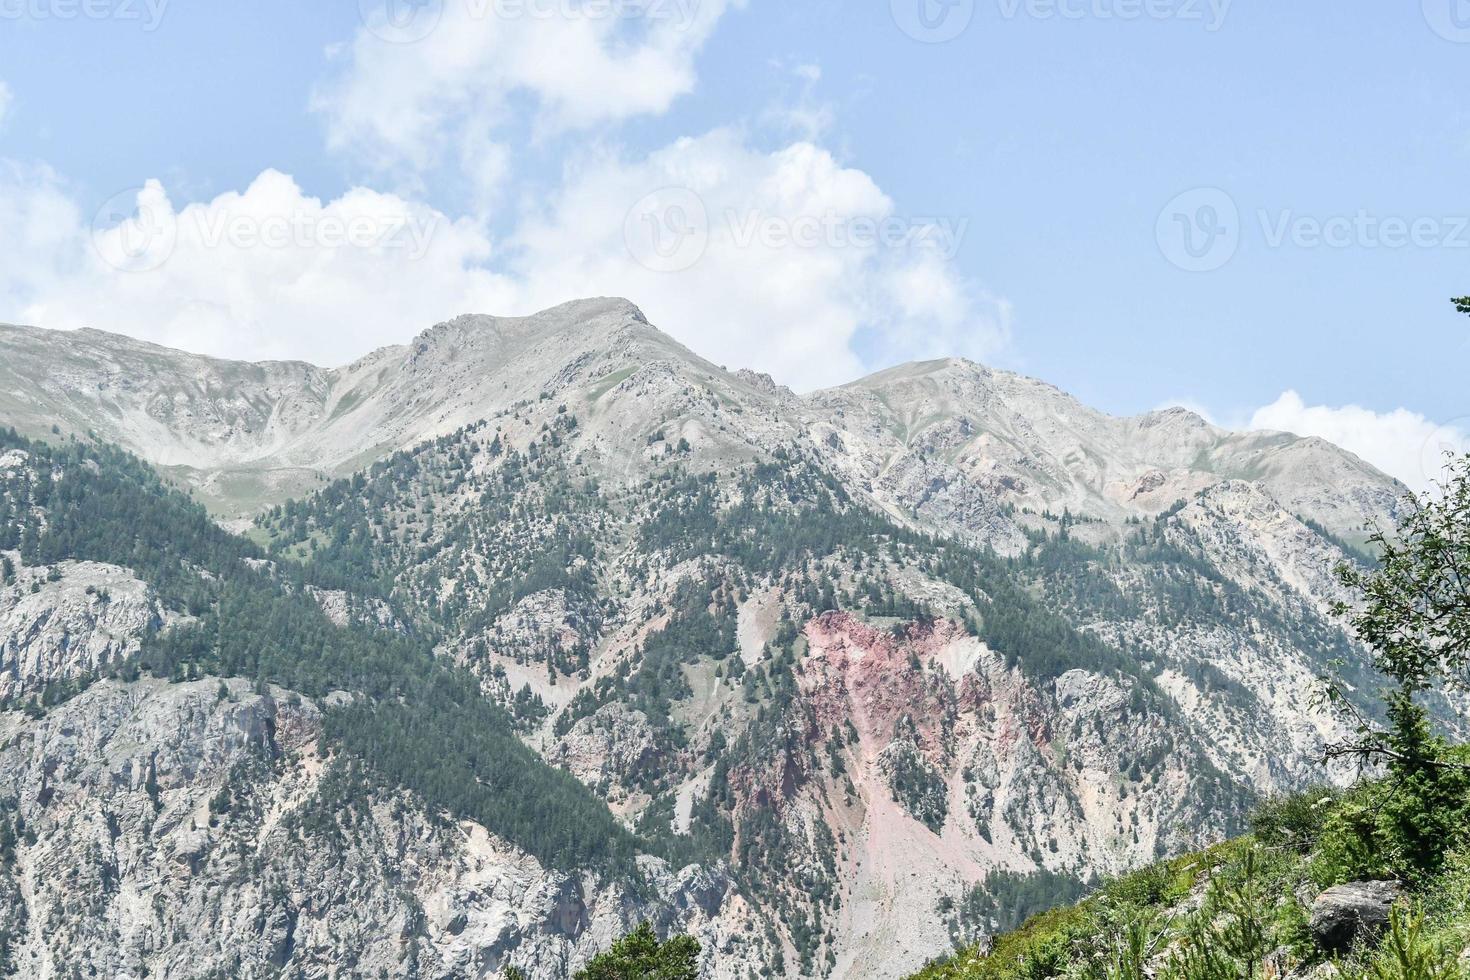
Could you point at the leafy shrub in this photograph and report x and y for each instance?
(1295, 821)
(1409, 952)
(1403, 827)
(1005, 899)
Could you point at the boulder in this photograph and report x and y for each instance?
(1343, 915)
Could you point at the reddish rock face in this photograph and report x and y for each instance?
(874, 678)
(920, 683)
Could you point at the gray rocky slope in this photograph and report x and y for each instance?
(942, 440)
(869, 730)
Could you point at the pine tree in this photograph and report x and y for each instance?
(640, 956)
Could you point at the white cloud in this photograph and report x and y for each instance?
(1402, 443)
(769, 263)
(801, 112)
(38, 229)
(420, 92)
(270, 272)
(6, 98)
(798, 266)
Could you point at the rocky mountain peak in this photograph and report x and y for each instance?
(593, 320)
(950, 434)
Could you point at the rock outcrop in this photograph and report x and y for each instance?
(65, 623)
(1356, 912)
(195, 829)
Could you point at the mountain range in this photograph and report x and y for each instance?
(481, 649)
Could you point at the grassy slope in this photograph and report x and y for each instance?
(1219, 898)
(1053, 940)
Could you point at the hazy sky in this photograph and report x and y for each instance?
(1259, 209)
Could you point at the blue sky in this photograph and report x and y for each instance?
(814, 188)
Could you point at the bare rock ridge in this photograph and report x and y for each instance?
(956, 426)
(245, 433)
(943, 442)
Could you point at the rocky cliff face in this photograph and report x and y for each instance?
(192, 830)
(842, 659)
(942, 765)
(67, 622)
